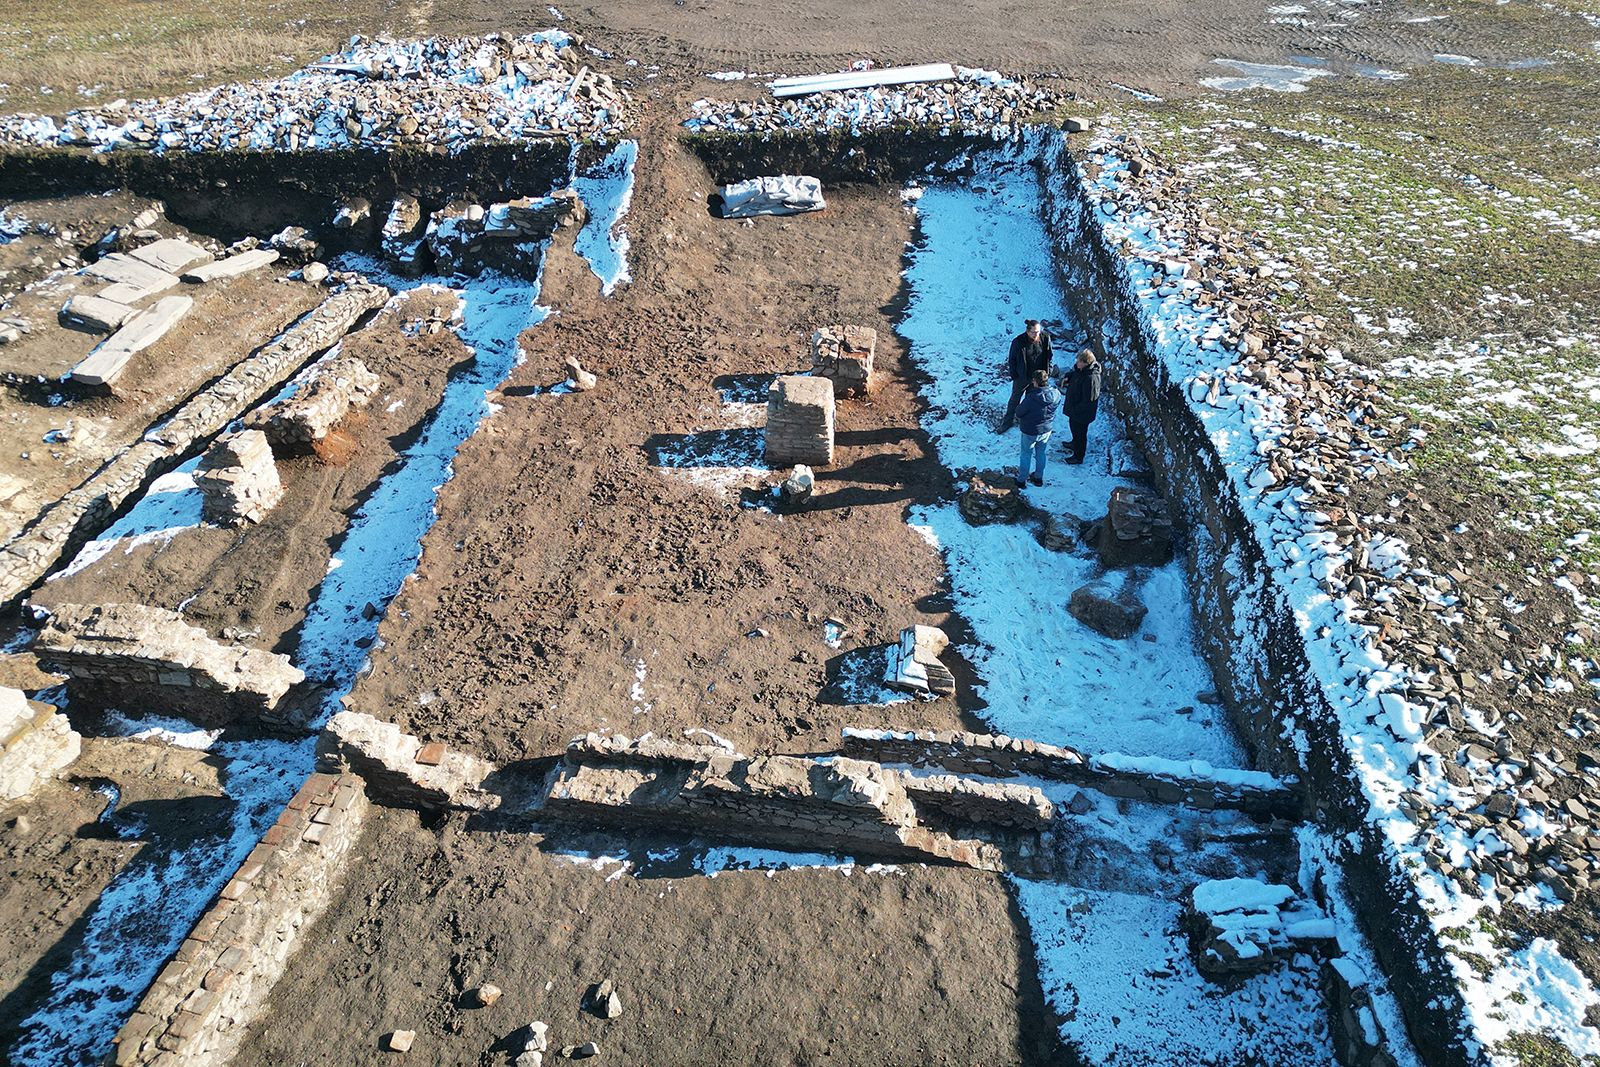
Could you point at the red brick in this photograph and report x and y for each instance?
(431, 754)
(217, 979)
(275, 835)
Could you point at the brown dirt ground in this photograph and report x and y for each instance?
(58, 858)
(563, 555)
(921, 965)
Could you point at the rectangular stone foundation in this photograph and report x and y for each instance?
(800, 421)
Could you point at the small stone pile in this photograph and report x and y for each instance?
(1137, 531)
(844, 355)
(442, 93)
(238, 479)
(975, 102)
(465, 237)
(914, 662)
(321, 403)
(799, 421)
(145, 659)
(1244, 926)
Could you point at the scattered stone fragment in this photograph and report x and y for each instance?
(604, 1002)
(401, 1040)
(484, 996)
(296, 244)
(577, 377)
(314, 272)
(798, 487)
(352, 212)
(1075, 124)
(586, 1050)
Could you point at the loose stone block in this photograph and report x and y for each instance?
(800, 421)
(231, 267)
(172, 255)
(132, 279)
(239, 479)
(110, 358)
(94, 313)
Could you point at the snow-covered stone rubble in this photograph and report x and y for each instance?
(446, 93)
(976, 101)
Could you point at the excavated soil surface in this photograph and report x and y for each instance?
(578, 580)
(906, 965)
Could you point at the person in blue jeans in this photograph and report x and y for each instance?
(1036, 417)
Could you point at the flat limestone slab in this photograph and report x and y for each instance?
(107, 362)
(172, 255)
(123, 269)
(94, 313)
(232, 267)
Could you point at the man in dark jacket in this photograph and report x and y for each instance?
(1030, 352)
(1082, 387)
(1036, 417)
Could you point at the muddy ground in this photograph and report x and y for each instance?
(905, 965)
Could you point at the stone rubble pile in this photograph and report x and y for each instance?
(466, 237)
(320, 404)
(401, 769)
(141, 659)
(441, 93)
(799, 421)
(36, 742)
(844, 355)
(1136, 532)
(914, 666)
(238, 479)
(976, 101)
(1497, 814)
(1244, 926)
(838, 804)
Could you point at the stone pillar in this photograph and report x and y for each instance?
(239, 479)
(800, 421)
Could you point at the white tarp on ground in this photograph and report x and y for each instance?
(806, 84)
(776, 194)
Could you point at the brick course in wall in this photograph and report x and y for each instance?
(201, 1003)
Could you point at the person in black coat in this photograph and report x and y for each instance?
(1081, 386)
(1030, 353)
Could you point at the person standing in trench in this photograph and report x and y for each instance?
(1030, 353)
(1081, 385)
(1036, 417)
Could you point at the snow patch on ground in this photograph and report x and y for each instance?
(607, 191)
(171, 505)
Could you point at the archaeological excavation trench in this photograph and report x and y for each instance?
(463, 600)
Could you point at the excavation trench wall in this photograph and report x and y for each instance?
(235, 194)
(1266, 678)
(1243, 618)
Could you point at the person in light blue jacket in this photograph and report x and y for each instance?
(1036, 417)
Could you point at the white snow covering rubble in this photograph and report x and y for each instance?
(442, 92)
(976, 101)
(1256, 420)
(1248, 924)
